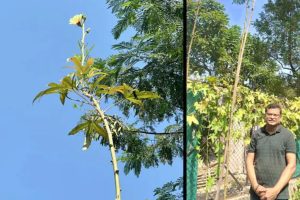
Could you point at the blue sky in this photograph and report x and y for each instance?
(39, 160)
(236, 12)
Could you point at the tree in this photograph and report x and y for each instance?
(88, 84)
(153, 58)
(170, 190)
(279, 27)
(216, 46)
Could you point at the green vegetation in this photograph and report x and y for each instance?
(143, 80)
(269, 73)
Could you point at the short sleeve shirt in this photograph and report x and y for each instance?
(270, 156)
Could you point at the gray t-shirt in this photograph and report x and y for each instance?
(270, 156)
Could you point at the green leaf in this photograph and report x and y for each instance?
(86, 143)
(133, 100)
(192, 119)
(100, 130)
(67, 82)
(146, 95)
(99, 79)
(89, 62)
(62, 96)
(116, 89)
(53, 85)
(47, 91)
(79, 127)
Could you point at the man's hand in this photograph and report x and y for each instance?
(260, 191)
(269, 194)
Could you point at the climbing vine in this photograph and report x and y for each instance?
(210, 117)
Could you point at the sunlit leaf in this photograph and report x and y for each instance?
(67, 82)
(100, 130)
(135, 101)
(47, 91)
(78, 66)
(53, 85)
(98, 80)
(116, 89)
(89, 62)
(192, 119)
(79, 127)
(62, 96)
(146, 95)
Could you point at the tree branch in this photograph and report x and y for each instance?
(156, 133)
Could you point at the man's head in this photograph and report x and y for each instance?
(273, 114)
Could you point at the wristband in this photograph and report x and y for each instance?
(256, 187)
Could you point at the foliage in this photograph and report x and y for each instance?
(153, 58)
(144, 151)
(213, 61)
(296, 194)
(216, 46)
(279, 27)
(208, 45)
(88, 82)
(170, 190)
(210, 118)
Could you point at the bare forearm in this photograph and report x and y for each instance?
(251, 172)
(285, 176)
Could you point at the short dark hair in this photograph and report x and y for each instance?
(273, 106)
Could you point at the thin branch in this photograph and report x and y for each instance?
(192, 39)
(114, 104)
(156, 133)
(77, 100)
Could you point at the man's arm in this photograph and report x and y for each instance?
(258, 189)
(250, 169)
(285, 177)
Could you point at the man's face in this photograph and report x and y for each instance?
(273, 116)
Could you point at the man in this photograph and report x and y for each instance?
(271, 158)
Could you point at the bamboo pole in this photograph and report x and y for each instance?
(192, 39)
(227, 150)
(235, 88)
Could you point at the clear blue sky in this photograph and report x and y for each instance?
(236, 12)
(39, 161)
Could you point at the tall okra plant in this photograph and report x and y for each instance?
(89, 84)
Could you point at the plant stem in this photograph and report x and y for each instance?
(101, 113)
(112, 150)
(83, 44)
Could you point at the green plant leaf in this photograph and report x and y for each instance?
(146, 95)
(47, 91)
(67, 82)
(79, 127)
(53, 85)
(98, 80)
(133, 100)
(62, 96)
(100, 130)
(192, 119)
